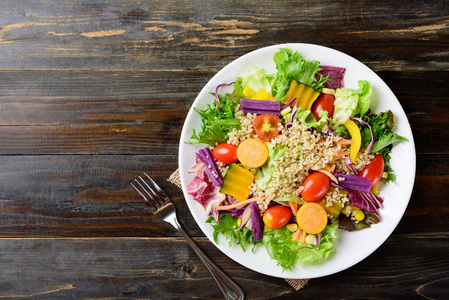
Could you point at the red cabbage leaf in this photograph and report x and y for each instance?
(336, 75)
(204, 192)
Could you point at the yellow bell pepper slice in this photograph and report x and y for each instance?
(263, 94)
(237, 182)
(248, 92)
(305, 95)
(356, 137)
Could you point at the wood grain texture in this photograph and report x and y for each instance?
(157, 35)
(169, 269)
(83, 195)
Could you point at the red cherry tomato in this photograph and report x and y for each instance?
(315, 186)
(266, 126)
(374, 170)
(226, 153)
(277, 216)
(324, 102)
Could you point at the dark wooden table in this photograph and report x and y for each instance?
(93, 93)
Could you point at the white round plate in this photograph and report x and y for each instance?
(350, 247)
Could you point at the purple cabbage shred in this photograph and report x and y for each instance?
(318, 241)
(216, 92)
(288, 104)
(211, 168)
(256, 221)
(353, 182)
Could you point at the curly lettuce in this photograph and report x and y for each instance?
(257, 79)
(282, 249)
(304, 116)
(290, 65)
(216, 122)
(350, 102)
(264, 174)
(382, 125)
(228, 228)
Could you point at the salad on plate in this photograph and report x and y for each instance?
(290, 157)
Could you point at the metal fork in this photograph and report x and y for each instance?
(162, 207)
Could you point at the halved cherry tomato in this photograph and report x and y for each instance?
(277, 216)
(226, 153)
(374, 170)
(324, 102)
(315, 186)
(266, 126)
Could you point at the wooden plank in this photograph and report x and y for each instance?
(85, 97)
(146, 138)
(90, 195)
(156, 35)
(166, 268)
(84, 196)
(60, 112)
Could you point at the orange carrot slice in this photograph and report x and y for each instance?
(302, 239)
(331, 176)
(312, 218)
(340, 154)
(252, 153)
(293, 207)
(248, 201)
(345, 142)
(297, 235)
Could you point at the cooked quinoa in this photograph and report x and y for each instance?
(307, 151)
(246, 124)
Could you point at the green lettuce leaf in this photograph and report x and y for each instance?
(290, 198)
(382, 125)
(306, 117)
(391, 177)
(385, 140)
(282, 249)
(264, 174)
(257, 80)
(365, 92)
(290, 65)
(350, 102)
(215, 123)
(228, 228)
(237, 93)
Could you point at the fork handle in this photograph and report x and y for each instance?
(227, 286)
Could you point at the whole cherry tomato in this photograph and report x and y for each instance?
(324, 102)
(226, 153)
(266, 126)
(315, 186)
(277, 216)
(374, 170)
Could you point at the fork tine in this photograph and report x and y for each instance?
(139, 192)
(154, 195)
(161, 194)
(149, 198)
